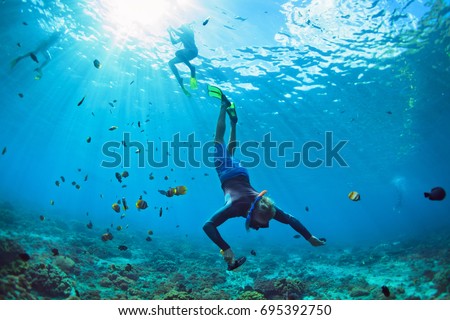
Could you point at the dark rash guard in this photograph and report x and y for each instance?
(241, 196)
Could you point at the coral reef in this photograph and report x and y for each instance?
(251, 295)
(15, 288)
(276, 289)
(49, 281)
(9, 251)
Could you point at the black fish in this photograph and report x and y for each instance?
(4, 151)
(297, 236)
(81, 101)
(88, 139)
(437, 193)
(385, 291)
(111, 104)
(253, 253)
(86, 178)
(128, 267)
(97, 64)
(89, 225)
(63, 179)
(307, 209)
(148, 239)
(139, 124)
(33, 57)
(55, 252)
(24, 256)
(206, 21)
(57, 183)
(119, 177)
(160, 212)
(20, 95)
(122, 247)
(74, 183)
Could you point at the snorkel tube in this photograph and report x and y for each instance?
(252, 208)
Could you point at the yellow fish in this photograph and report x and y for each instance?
(354, 196)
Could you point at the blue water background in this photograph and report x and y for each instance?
(375, 73)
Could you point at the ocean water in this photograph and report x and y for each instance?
(371, 75)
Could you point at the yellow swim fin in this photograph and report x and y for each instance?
(194, 85)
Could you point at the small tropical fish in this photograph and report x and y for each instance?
(57, 183)
(122, 247)
(253, 252)
(151, 176)
(89, 225)
(148, 239)
(307, 209)
(297, 236)
(86, 178)
(385, 291)
(97, 64)
(118, 177)
(141, 204)
(437, 193)
(119, 228)
(139, 124)
(74, 183)
(88, 139)
(41, 217)
(115, 207)
(176, 191)
(205, 22)
(150, 232)
(124, 204)
(77, 186)
(107, 236)
(131, 82)
(166, 178)
(24, 256)
(128, 267)
(55, 252)
(20, 95)
(52, 202)
(160, 211)
(4, 151)
(111, 104)
(112, 128)
(81, 101)
(125, 174)
(354, 196)
(63, 179)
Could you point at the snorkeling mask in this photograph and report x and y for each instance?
(252, 208)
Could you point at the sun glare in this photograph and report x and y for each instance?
(137, 18)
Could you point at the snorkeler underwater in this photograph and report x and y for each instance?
(320, 127)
